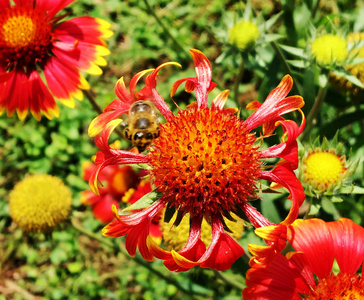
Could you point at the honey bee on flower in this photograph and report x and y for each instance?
(142, 125)
(205, 164)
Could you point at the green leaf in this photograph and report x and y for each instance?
(269, 23)
(294, 51)
(297, 63)
(145, 201)
(272, 37)
(351, 190)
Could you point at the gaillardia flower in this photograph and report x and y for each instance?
(243, 35)
(116, 182)
(39, 202)
(34, 40)
(308, 273)
(205, 163)
(329, 49)
(324, 169)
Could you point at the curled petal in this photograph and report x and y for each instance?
(204, 76)
(288, 150)
(150, 93)
(176, 85)
(220, 100)
(136, 78)
(275, 105)
(275, 237)
(284, 175)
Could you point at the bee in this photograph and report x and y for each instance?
(142, 125)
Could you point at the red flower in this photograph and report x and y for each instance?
(116, 181)
(318, 244)
(206, 162)
(33, 39)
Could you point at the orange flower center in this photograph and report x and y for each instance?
(25, 37)
(339, 287)
(205, 162)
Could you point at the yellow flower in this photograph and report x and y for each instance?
(39, 202)
(323, 169)
(328, 49)
(244, 35)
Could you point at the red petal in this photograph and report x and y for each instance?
(220, 100)
(204, 76)
(313, 238)
(276, 281)
(348, 239)
(287, 150)
(284, 175)
(223, 250)
(275, 105)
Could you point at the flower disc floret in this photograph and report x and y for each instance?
(205, 162)
(39, 203)
(25, 37)
(328, 49)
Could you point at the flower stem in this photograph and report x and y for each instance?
(141, 262)
(314, 110)
(165, 29)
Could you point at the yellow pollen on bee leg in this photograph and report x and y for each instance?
(19, 31)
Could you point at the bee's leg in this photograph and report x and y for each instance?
(126, 134)
(157, 133)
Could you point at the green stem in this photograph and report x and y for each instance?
(165, 29)
(286, 66)
(238, 79)
(314, 110)
(141, 262)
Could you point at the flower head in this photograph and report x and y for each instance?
(33, 39)
(323, 168)
(329, 49)
(116, 181)
(205, 163)
(317, 245)
(39, 202)
(243, 35)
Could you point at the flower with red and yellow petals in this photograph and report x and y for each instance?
(33, 40)
(308, 272)
(205, 163)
